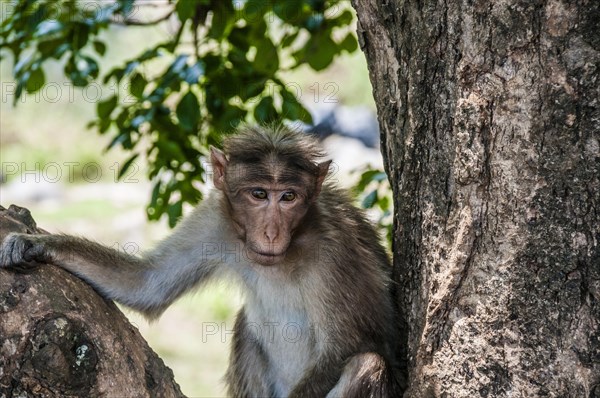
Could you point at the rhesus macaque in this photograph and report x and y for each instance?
(318, 318)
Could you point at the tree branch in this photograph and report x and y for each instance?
(135, 22)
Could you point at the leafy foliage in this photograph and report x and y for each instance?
(221, 67)
(374, 192)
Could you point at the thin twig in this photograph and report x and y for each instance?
(133, 22)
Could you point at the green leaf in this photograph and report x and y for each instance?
(366, 178)
(222, 19)
(100, 47)
(188, 112)
(321, 52)
(174, 212)
(259, 30)
(185, 9)
(384, 203)
(240, 63)
(230, 118)
(345, 18)
(252, 89)
(289, 11)
(239, 37)
(349, 43)
(103, 125)
(124, 138)
(47, 28)
(126, 166)
(116, 73)
(154, 209)
(265, 110)
(105, 108)
(81, 70)
(138, 83)
(170, 150)
(289, 39)
(36, 80)
(292, 109)
(254, 10)
(53, 48)
(79, 35)
(267, 57)
(369, 200)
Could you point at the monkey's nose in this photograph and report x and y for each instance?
(271, 233)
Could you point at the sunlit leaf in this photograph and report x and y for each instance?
(48, 27)
(105, 108)
(36, 80)
(349, 43)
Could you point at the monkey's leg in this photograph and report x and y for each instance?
(247, 375)
(366, 375)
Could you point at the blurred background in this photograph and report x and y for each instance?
(56, 166)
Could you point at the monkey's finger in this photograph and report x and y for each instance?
(34, 252)
(6, 251)
(12, 249)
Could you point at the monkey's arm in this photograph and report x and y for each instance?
(115, 275)
(149, 283)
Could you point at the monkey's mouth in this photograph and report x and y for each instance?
(266, 258)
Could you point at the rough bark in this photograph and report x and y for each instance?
(490, 129)
(58, 338)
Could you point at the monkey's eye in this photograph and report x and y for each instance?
(288, 196)
(259, 193)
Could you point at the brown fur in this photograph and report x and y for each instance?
(307, 259)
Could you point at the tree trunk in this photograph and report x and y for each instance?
(58, 338)
(490, 129)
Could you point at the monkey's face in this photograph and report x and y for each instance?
(268, 198)
(267, 203)
(266, 217)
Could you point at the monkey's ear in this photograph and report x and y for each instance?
(219, 163)
(323, 170)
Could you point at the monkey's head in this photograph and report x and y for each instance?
(270, 178)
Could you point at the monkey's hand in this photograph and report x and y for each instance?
(23, 251)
